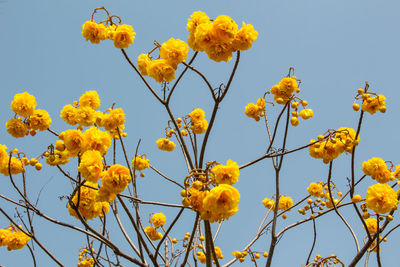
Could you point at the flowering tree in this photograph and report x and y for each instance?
(105, 186)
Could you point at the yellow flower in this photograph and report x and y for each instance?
(285, 202)
(201, 257)
(218, 253)
(268, 203)
(73, 141)
(123, 36)
(228, 174)
(161, 71)
(16, 165)
(219, 51)
(284, 89)
(144, 62)
(245, 37)
(95, 139)
(373, 104)
(39, 120)
(23, 104)
(196, 19)
(372, 225)
(4, 235)
(69, 115)
(306, 113)
(86, 263)
(116, 179)
(94, 32)
(17, 240)
(224, 28)
(91, 165)
(85, 116)
(114, 119)
(158, 219)
(16, 128)
(346, 137)
(140, 163)
(381, 198)
(202, 37)
(196, 198)
(152, 233)
(89, 208)
(255, 110)
(315, 189)
(90, 99)
(174, 51)
(220, 203)
(377, 169)
(165, 144)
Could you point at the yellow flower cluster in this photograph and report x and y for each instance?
(284, 89)
(315, 190)
(203, 259)
(122, 35)
(305, 113)
(13, 238)
(372, 225)
(91, 165)
(341, 140)
(241, 255)
(152, 233)
(158, 219)
(377, 169)
(165, 144)
(371, 102)
(256, 110)
(16, 165)
(220, 203)
(114, 181)
(197, 120)
(73, 142)
(140, 163)
(381, 198)
(220, 38)
(172, 52)
(85, 262)
(228, 174)
(285, 203)
(24, 105)
(88, 207)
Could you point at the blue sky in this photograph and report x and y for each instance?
(335, 46)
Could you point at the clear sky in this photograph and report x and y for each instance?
(335, 46)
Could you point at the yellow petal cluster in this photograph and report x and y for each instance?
(39, 120)
(220, 38)
(226, 174)
(284, 89)
(158, 219)
(152, 233)
(268, 203)
(256, 110)
(94, 32)
(16, 165)
(377, 169)
(13, 238)
(91, 165)
(165, 144)
(16, 128)
(330, 149)
(115, 179)
(89, 208)
(23, 104)
(86, 263)
(122, 35)
(198, 122)
(90, 99)
(220, 203)
(315, 189)
(140, 163)
(373, 104)
(285, 202)
(174, 51)
(372, 225)
(381, 198)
